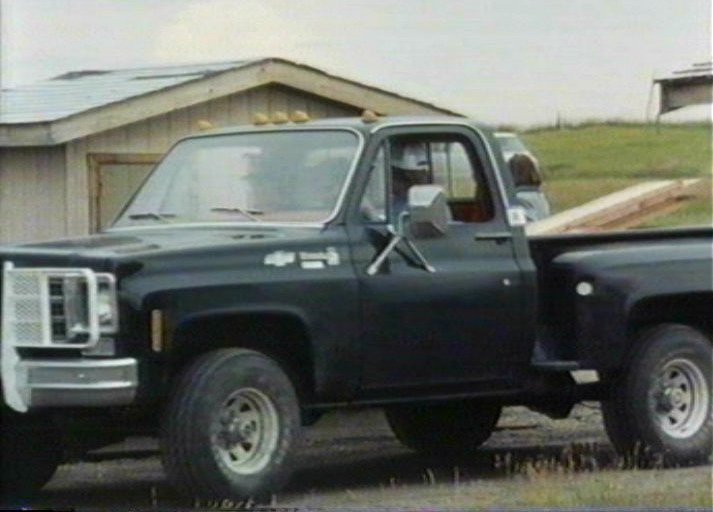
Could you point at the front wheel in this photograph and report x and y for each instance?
(449, 427)
(231, 427)
(661, 408)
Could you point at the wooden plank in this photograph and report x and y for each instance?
(654, 207)
(610, 208)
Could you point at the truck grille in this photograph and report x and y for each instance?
(58, 311)
(25, 311)
(46, 307)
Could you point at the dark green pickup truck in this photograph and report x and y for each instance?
(265, 274)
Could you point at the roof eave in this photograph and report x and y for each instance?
(404, 104)
(223, 83)
(24, 135)
(685, 80)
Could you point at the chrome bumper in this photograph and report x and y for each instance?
(76, 382)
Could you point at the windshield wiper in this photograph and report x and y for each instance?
(250, 214)
(152, 215)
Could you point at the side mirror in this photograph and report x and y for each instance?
(524, 171)
(426, 216)
(428, 211)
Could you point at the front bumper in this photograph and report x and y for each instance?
(75, 382)
(40, 310)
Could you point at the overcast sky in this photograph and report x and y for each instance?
(501, 61)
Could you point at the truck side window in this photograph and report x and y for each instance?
(421, 160)
(445, 161)
(461, 175)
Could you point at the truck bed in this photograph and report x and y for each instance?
(633, 268)
(544, 248)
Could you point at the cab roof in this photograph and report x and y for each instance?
(353, 123)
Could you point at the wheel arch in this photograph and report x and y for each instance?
(691, 309)
(279, 334)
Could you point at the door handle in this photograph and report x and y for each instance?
(496, 236)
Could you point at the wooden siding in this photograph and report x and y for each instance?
(32, 194)
(157, 134)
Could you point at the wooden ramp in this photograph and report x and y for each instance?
(620, 210)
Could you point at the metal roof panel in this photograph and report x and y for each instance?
(702, 71)
(78, 91)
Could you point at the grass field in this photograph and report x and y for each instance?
(687, 488)
(585, 162)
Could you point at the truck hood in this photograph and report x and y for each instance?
(105, 251)
(145, 241)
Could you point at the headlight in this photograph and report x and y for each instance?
(84, 308)
(107, 310)
(69, 303)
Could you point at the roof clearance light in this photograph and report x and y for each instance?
(260, 119)
(369, 116)
(204, 124)
(280, 118)
(299, 116)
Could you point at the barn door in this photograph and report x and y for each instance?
(114, 178)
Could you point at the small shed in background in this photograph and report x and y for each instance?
(687, 87)
(74, 148)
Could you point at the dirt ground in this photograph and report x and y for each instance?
(351, 460)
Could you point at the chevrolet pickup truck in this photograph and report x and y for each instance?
(265, 274)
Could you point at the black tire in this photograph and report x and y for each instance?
(448, 427)
(31, 453)
(231, 427)
(660, 407)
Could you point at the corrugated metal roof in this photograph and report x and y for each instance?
(78, 91)
(702, 72)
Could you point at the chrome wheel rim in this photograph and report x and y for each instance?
(245, 432)
(680, 400)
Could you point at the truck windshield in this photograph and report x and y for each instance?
(289, 176)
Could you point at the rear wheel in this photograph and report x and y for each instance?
(448, 427)
(231, 427)
(661, 408)
(31, 453)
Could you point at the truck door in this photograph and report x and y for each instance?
(461, 323)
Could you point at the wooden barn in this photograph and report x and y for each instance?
(75, 147)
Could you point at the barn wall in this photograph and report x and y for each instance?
(32, 194)
(156, 135)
